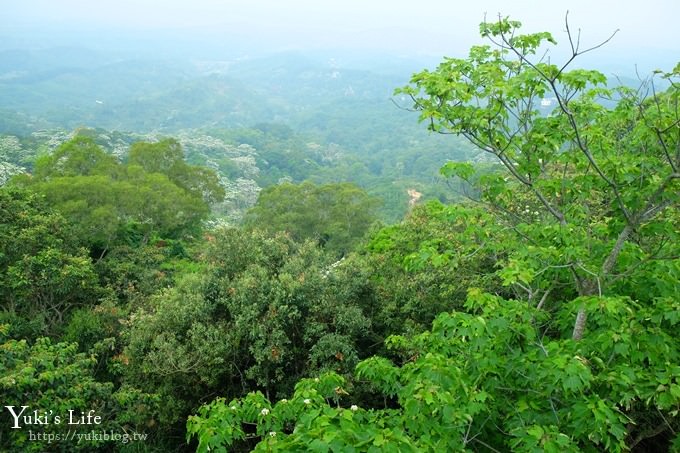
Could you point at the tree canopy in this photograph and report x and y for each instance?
(154, 193)
(603, 182)
(335, 215)
(582, 217)
(44, 273)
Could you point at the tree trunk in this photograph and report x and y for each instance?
(580, 324)
(588, 288)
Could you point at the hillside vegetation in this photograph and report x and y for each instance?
(273, 255)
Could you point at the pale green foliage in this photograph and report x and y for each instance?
(167, 157)
(335, 215)
(156, 193)
(78, 157)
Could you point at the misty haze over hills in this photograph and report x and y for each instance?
(213, 63)
(323, 75)
(104, 83)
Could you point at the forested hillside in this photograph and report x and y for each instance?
(298, 253)
(256, 121)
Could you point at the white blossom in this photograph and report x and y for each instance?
(354, 407)
(264, 411)
(7, 170)
(307, 401)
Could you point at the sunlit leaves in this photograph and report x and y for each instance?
(463, 170)
(156, 191)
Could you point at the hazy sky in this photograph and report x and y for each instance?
(424, 26)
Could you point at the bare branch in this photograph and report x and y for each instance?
(403, 108)
(574, 48)
(590, 49)
(543, 299)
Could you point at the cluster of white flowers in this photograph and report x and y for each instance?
(207, 145)
(332, 152)
(354, 408)
(264, 411)
(328, 270)
(7, 170)
(52, 138)
(240, 195)
(9, 144)
(307, 401)
(247, 165)
(528, 211)
(217, 224)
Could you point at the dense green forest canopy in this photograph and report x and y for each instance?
(311, 271)
(154, 193)
(334, 215)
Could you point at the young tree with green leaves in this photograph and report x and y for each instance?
(604, 181)
(53, 378)
(167, 157)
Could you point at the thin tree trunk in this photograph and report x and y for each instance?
(580, 324)
(588, 288)
(592, 287)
